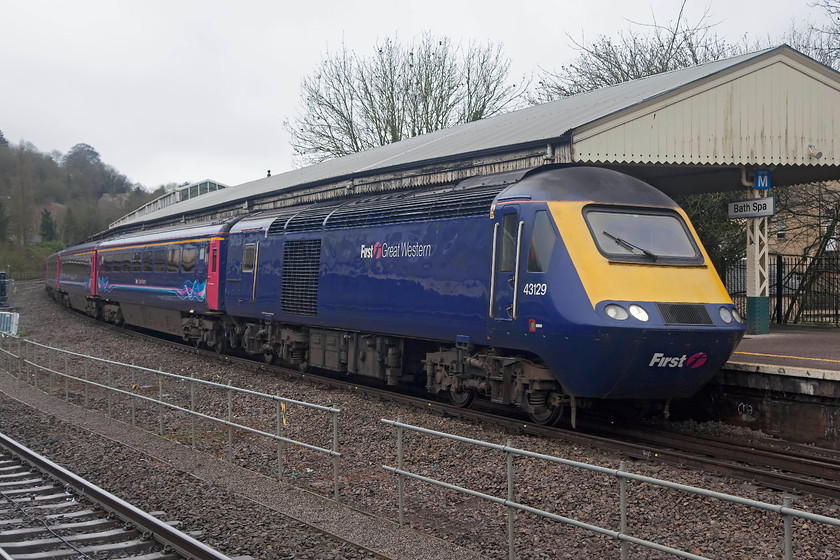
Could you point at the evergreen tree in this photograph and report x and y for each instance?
(47, 226)
(4, 223)
(70, 229)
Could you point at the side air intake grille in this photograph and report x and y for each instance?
(684, 314)
(299, 288)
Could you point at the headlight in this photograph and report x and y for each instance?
(737, 315)
(639, 313)
(616, 312)
(725, 315)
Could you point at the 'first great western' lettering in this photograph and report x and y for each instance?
(395, 250)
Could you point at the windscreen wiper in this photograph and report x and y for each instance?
(629, 246)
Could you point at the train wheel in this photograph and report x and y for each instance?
(548, 417)
(221, 346)
(461, 398)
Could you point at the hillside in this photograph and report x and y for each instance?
(51, 200)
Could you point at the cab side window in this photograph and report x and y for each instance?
(507, 260)
(542, 243)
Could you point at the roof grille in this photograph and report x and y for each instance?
(299, 288)
(415, 207)
(311, 219)
(684, 314)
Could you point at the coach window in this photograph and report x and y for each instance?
(126, 262)
(249, 257)
(147, 261)
(173, 263)
(508, 256)
(542, 243)
(135, 261)
(160, 260)
(188, 259)
(105, 264)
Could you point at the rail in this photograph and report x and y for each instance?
(27, 356)
(164, 533)
(621, 474)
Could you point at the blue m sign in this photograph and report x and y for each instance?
(762, 179)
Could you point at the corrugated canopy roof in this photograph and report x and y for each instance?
(552, 123)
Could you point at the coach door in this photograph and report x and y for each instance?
(507, 248)
(213, 274)
(94, 273)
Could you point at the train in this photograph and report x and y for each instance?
(549, 289)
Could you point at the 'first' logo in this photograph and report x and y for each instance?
(661, 360)
(372, 251)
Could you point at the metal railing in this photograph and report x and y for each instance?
(621, 474)
(25, 359)
(802, 289)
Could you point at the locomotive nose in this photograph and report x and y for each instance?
(614, 363)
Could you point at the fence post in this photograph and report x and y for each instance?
(834, 288)
(67, 378)
(622, 490)
(133, 400)
(335, 457)
(511, 512)
(780, 277)
(51, 368)
(33, 360)
(788, 531)
(279, 443)
(20, 359)
(192, 407)
(160, 405)
(109, 390)
(400, 497)
(230, 420)
(86, 383)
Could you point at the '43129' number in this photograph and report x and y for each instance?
(535, 289)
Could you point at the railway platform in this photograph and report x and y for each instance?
(791, 358)
(785, 383)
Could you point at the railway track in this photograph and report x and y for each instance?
(799, 471)
(48, 512)
(790, 470)
(814, 472)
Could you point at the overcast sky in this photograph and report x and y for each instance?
(173, 91)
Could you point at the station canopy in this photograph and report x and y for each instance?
(700, 129)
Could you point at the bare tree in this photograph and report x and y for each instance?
(820, 42)
(352, 103)
(807, 226)
(635, 54)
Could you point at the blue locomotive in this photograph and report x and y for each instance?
(544, 289)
